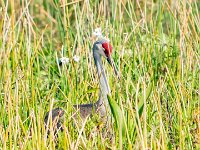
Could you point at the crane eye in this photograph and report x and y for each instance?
(107, 48)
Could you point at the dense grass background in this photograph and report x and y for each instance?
(156, 50)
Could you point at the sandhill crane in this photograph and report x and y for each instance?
(101, 48)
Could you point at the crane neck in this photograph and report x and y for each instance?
(104, 86)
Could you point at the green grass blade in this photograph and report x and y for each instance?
(119, 120)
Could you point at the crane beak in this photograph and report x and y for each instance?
(111, 62)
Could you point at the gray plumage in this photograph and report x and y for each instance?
(101, 106)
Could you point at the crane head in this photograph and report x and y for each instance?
(104, 48)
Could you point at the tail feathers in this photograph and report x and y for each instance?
(55, 116)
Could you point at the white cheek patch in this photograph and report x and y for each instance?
(99, 46)
(101, 50)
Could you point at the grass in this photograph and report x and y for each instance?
(156, 50)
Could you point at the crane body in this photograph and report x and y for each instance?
(101, 48)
